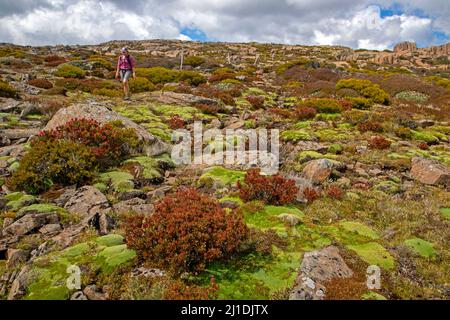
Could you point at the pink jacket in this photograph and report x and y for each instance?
(124, 64)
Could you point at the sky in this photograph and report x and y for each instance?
(368, 24)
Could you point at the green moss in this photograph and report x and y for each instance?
(111, 257)
(445, 212)
(330, 135)
(305, 156)
(118, 180)
(269, 217)
(110, 240)
(425, 136)
(372, 296)
(41, 208)
(295, 135)
(150, 167)
(389, 187)
(374, 254)
(48, 275)
(184, 112)
(421, 247)
(335, 148)
(359, 228)
(18, 200)
(232, 199)
(222, 176)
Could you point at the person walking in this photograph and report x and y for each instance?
(125, 69)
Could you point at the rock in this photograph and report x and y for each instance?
(50, 229)
(148, 273)
(405, 46)
(15, 257)
(290, 219)
(26, 224)
(236, 125)
(170, 97)
(105, 223)
(152, 145)
(425, 123)
(317, 170)
(316, 269)
(430, 172)
(9, 105)
(14, 134)
(86, 202)
(92, 293)
(135, 205)
(127, 195)
(79, 295)
(18, 288)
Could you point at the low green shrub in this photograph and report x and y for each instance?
(140, 84)
(365, 88)
(69, 71)
(7, 91)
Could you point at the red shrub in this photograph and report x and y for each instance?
(176, 122)
(305, 113)
(423, 146)
(310, 194)
(187, 230)
(212, 109)
(370, 125)
(346, 105)
(40, 83)
(379, 142)
(281, 112)
(274, 190)
(335, 192)
(54, 60)
(226, 96)
(108, 142)
(256, 101)
(178, 290)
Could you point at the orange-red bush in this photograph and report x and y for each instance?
(305, 113)
(379, 142)
(256, 101)
(178, 290)
(187, 231)
(310, 194)
(335, 192)
(40, 83)
(274, 190)
(370, 125)
(176, 122)
(107, 142)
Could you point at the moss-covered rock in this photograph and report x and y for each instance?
(220, 177)
(18, 200)
(119, 181)
(421, 247)
(374, 254)
(295, 135)
(359, 228)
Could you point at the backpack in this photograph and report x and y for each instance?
(129, 61)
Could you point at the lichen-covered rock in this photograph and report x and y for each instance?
(430, 172)
(318, 171)
(318, 267)
(86, 202)
(152, 145)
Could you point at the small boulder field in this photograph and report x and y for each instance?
(93, 206)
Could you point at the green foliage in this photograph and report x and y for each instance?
(421, 247)
(70, 71)
(413, 96)
(323, 105)
(111, 93)
(365, 88)
(191, 77)
(7, 91)
(160, 75)
(374, 254)
(61, 161)
(194, 61)
(140, 84)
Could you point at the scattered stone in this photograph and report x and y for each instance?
(430, 172)
(15, 257)
(18, 288)
(86, 202)
(79, 295)
(50, 229)
(318, 170)
(92, 293)
(318, 267)
(135, 205)
(290, 219)
(25, 224)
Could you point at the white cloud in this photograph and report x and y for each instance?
(354, 23)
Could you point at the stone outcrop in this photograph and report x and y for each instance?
(405, 46)
(152, 145)
(430, 172)
(318, 170)
(317, 268)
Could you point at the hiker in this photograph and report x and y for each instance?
(125, 69)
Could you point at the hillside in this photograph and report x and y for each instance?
(87, 179)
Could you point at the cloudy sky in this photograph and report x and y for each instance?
(371, 24)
